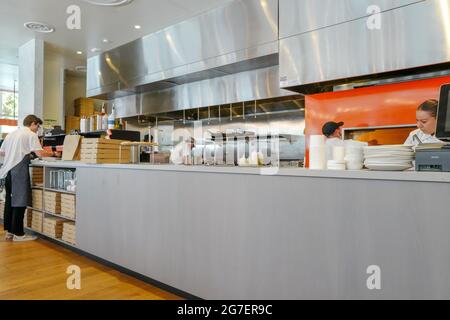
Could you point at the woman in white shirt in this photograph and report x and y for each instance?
(426, 122)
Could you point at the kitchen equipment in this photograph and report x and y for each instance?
(435, 159)
(443, 116)
(135, 151)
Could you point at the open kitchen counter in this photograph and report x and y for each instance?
(229, 233)
(288, 172)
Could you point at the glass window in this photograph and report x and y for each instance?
(9, 105)
(8, 112)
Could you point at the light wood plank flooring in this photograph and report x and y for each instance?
(37, 271)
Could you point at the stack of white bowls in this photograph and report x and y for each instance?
(354, 154)
(317, 153)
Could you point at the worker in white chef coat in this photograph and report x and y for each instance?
(182, 152)
(333, 132)
(426, 115)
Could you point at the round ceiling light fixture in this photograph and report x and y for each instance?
(39, 27)
(109, 3)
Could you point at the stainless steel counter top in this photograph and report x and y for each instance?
(288, 172)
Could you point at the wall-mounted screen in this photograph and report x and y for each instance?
(443, 119)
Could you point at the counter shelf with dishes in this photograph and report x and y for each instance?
(53, 210)
(288, 208)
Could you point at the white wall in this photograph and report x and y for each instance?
(75, 87)
(54, 92)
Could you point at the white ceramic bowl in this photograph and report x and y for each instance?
(354, 150)
(337, 168)
(354, 159)
(355, 165)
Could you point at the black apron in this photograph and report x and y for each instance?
(21, 184)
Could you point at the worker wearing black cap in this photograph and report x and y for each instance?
(333, 132)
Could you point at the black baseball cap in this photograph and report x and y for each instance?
(330, 127)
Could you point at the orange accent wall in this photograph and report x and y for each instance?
(386, 105)
(8, 122)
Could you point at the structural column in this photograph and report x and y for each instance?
(31, 79)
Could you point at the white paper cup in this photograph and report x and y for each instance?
(317, 158)
(316, 141)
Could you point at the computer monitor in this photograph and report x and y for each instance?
(443, 117)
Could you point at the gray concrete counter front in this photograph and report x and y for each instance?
(298, 234)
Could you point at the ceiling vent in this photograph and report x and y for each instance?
(39, 27)
(81, 68)
(109, 3)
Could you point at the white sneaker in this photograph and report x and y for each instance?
(9, 236)
(24, 238)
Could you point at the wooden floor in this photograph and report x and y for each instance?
(37, 271)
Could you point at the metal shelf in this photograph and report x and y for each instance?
(59, 216)
(34, 209)
(60, 191)
(46, 167)
(55, 239)
(36, 165)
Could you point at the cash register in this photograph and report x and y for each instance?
(436, 157)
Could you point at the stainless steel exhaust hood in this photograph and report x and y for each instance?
(240, 36)
(334, 42)
(250, 85)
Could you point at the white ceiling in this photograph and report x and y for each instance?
(115, 24)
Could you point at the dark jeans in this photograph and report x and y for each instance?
(13, 220)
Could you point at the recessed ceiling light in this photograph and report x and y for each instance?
(109, 3)
(106, 40)
(94, 50)
(79, 52)
(39, 27)
(137, 27)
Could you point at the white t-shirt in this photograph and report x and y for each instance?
(16, 146)
(425, 138)
(330, 143)
(179, 153)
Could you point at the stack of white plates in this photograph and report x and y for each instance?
(336, 165)
(389, 158)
